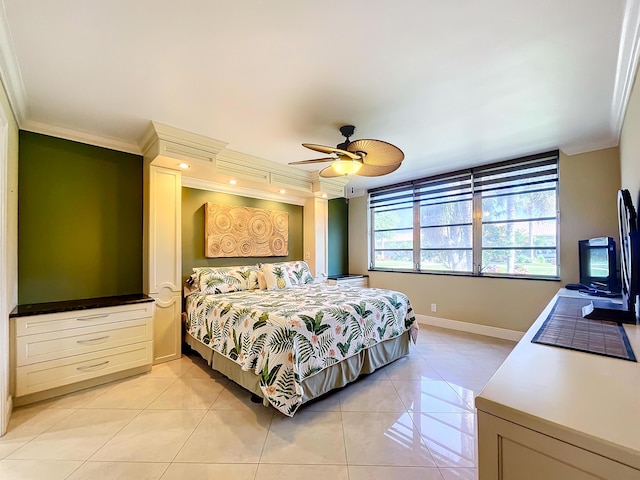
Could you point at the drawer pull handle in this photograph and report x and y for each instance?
(87, 367)
(92, 317)
(91, 340)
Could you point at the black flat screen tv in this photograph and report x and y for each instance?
(598, 267)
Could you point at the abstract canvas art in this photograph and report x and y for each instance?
(232, 231)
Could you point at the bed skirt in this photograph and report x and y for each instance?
(335, 376)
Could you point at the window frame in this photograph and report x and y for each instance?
(417, 191)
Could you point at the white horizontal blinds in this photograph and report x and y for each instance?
(519, 216)
(429, 224)
(445, 212)
(392, 227)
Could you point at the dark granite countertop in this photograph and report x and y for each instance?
(83, 304)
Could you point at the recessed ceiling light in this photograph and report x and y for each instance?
(324, 195)
(184, 165)
(282, 190)
(233, 182)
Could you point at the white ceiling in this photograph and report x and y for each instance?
(452, 83)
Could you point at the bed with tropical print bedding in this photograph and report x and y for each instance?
(286, 336)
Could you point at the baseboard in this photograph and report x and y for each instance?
(8, 408)
(487, 330)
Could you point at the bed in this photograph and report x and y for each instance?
(294, 342)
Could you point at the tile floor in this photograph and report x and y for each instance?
(413, 419)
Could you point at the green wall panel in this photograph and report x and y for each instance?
(80, 220)
(193, 201)
(338, 236)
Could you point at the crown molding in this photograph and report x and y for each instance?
(82, 137)
(10, 71)
(628, 56)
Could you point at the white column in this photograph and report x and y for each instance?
(162, 257)
(315, 235)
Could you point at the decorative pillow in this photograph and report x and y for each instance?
(212, 280)
(262, 281)
(276, 275)
(301, 273)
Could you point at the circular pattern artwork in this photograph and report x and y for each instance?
(232, 231)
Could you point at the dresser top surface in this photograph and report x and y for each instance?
(81, 304)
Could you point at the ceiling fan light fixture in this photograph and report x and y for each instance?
(347, 167)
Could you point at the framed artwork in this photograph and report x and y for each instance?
(232, 231)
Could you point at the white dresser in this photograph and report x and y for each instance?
(552, 413)
(61, 347)
(349, 280)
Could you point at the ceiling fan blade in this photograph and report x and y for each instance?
(325, 149)
(378, 153)
(368, 170)
(315, 160)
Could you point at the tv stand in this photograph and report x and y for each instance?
(608, 310)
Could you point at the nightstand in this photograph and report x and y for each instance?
(349, 280)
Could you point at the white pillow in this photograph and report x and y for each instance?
(276, 276)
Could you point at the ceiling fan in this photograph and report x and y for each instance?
(368, 158)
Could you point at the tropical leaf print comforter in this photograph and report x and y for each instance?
(286, 336)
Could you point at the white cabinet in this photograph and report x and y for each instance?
(54, 353)
(350, 280)
(552, 413)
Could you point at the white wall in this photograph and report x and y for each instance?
(8, 245)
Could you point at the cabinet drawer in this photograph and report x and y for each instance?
(43, 376)
(65, 343)
(81, 318)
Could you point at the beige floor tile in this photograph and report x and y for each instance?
(430, 396)
(77, 399)
(228, 437)
(466, 388)
(306, 472)
(200, 369)
(394, 473)
(134, 393)
(189, 394)
(119, 471)
(27, 423)
(451, 437)
(373, 396)
(153, 436)
(77, 437)
(384, 439)
(327, 403)
(172, 369)
(307, 438)
(460, 369)
(411, 368)
(37, 469)
(459, 473)
(236, 398)
(206, 471)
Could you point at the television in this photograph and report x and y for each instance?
(626, 311)
(598, 267)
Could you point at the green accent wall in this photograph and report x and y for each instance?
(80, 220)
(193, 201)
(338, 236)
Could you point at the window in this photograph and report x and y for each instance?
(498, 220)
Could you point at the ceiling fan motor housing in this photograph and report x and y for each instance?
(347, 131)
